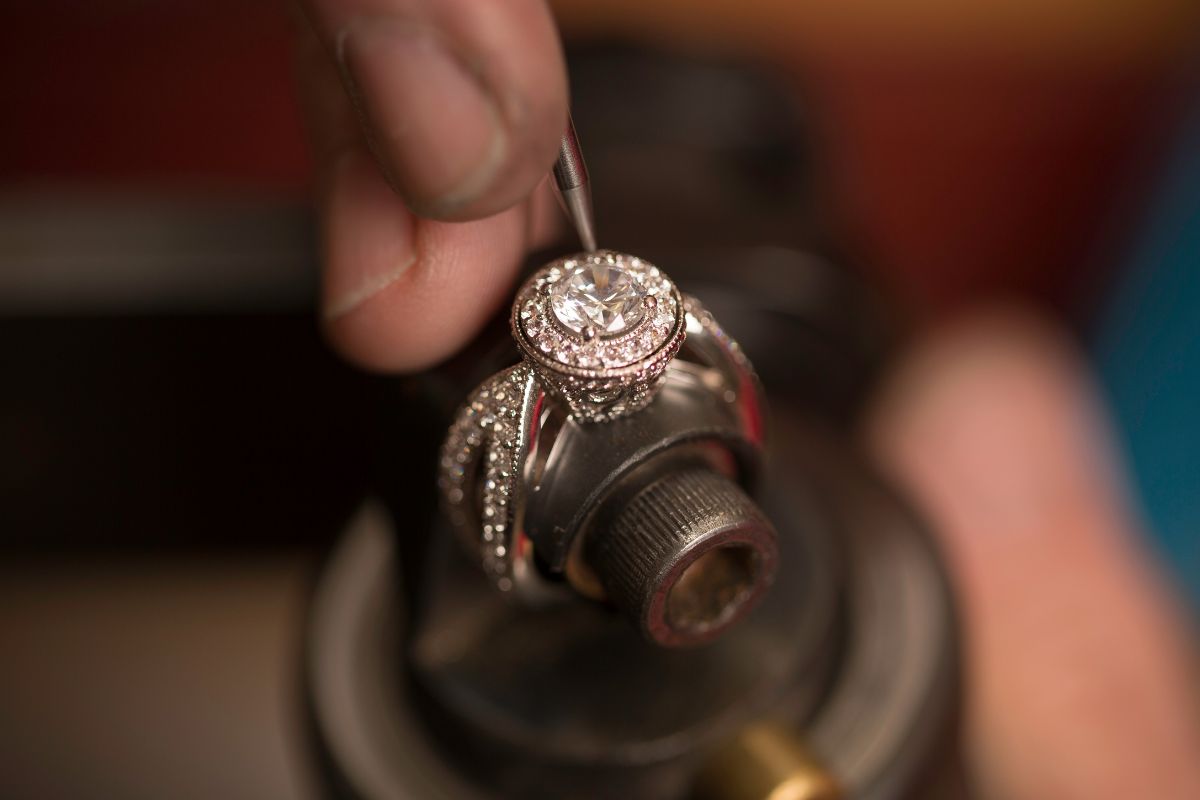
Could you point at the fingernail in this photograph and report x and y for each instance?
(369, 235)
(431, 119)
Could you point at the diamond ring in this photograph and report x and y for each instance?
(598, 329)
(598, 333)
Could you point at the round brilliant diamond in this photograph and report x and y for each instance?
(601, 296)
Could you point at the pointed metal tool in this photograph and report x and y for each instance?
(571, 178)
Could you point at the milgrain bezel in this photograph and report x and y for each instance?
(600, 375)
(546, 340)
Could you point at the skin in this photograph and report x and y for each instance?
(434, 123)
(1080, 664)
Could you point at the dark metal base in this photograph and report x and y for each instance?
(854, 647)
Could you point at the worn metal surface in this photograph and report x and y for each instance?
(855, 649)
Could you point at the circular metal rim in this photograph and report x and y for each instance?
(639, 368)
(766, 560)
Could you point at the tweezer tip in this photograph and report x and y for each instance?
(578, 204)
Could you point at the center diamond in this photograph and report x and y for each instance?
(600, 296)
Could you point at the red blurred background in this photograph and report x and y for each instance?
(1000, 148)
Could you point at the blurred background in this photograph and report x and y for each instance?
(178, 445)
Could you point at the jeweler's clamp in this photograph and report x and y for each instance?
(649, 509)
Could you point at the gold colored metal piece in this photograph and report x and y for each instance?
(765, 762)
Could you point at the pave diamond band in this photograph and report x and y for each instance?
(482, 459)
(599, 329)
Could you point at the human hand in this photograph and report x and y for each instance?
(1080, 667)
(433, 122)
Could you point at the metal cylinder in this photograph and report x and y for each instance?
(686, 557)
(765, 762)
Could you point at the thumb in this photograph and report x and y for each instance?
(1079, 676)
(462, 101)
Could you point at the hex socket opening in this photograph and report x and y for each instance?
(710, 589)
(686, 557)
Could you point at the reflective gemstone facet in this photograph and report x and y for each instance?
(600, 296)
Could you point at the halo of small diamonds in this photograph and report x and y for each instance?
(599, 329)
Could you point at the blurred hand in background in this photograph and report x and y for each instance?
(1080, 666)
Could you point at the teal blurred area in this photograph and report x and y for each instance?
(1148, 352)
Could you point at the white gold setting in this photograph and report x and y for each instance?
(597, 332)
(599, 329)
